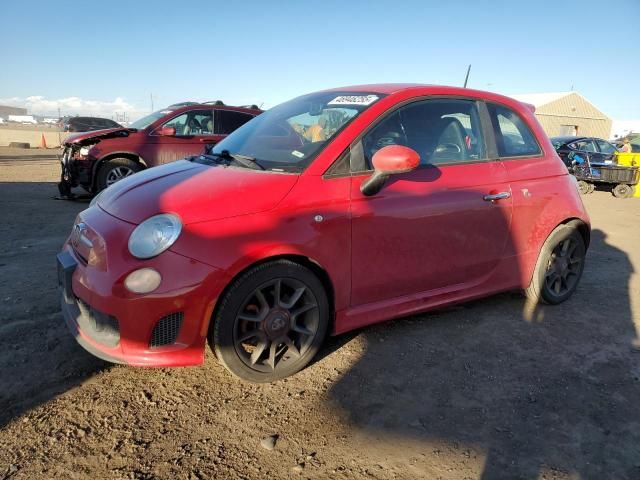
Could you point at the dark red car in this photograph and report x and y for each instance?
(94, 160)
(327, 213)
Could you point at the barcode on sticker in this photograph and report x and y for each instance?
(353, 100)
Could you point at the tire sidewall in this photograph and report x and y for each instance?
(560, 234)
(221, 335)
(621, 191)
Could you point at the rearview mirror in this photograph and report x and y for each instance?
(168, 131)
(389, 160)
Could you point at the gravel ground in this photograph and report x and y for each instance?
(485, 390)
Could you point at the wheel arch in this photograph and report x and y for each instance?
(310, 263)
(583, 228)
(110, 156)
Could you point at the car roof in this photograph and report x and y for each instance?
(429, 89)
(196, 106)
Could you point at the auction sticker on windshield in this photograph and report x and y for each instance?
(353, 100)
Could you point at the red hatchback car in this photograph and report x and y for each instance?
(94, 160)
(327, 213)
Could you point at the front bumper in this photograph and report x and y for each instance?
(166, 328)
(74, 172)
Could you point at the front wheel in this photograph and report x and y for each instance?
(271, 322)
(560, 266)
(115, 170)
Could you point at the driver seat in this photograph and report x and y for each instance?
(192, 127)
(451, 145)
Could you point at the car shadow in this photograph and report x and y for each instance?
(548, 390)
(39, 359)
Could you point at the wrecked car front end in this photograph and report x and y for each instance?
(79, 159)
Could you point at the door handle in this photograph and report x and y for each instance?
(208, 140)
(496, 196)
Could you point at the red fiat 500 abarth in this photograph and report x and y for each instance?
(329, 212)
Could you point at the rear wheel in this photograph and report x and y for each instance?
(583, 187)
(560, 266)
(271, 322)
(622, 190)
(115, 170)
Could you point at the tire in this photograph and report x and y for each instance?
(583, 187)
(622, 190)
(114, 170)
(261, 340)
(559, 267)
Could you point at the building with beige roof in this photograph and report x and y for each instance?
(568, 113)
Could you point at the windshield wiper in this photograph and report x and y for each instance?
(245, 160)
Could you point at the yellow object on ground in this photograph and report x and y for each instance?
(629, 160)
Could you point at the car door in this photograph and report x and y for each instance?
(193, 130)
(435, 229)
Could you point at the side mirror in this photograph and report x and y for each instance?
(167, 131)
(389, 160)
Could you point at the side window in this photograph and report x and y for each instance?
(228, 121)
(605, 147)
(513, 137)
(442, 131)
(195, 122)
(583, 146)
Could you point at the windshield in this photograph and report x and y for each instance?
(289, 136)
(144, 122)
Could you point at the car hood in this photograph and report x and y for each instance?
(195, 192)
(85, 138)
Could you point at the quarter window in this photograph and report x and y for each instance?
(228, 121)
(442, 131)
(513, 137)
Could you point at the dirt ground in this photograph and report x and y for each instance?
(485, 390)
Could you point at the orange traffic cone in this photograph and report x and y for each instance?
(43, 142)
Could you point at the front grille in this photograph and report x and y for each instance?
(166, 330)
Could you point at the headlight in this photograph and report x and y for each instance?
(84, 151)
(154, 235)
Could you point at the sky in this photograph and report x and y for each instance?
(111, 56)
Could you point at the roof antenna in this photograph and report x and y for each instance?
(466, 78)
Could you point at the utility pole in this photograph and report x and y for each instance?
(151, 95)
(466, 78)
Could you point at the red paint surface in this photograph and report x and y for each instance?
(427, 239)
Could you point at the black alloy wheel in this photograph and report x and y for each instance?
(559, 267)
(271, 322)
(564, 267)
